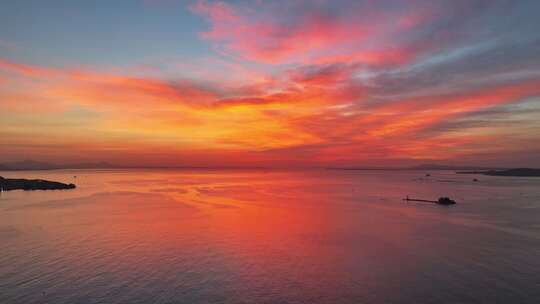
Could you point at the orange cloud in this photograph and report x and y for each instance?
(316, 111)
(409, 116)
(26, 70)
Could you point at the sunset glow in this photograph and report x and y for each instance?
(251, 83)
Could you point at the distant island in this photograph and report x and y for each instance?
(7, 184)
(524, 172)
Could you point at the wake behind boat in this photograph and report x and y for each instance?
(440, 201)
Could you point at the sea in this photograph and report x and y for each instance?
(270, 236)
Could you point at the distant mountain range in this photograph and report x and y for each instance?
(420, 167)
(447, 167)
(37, 165)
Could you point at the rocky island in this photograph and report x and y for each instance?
(7, 184)
(524, 172)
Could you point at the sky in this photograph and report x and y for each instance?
(271, 83)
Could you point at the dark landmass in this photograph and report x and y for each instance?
(524, 172)
(419, 167)
(37, 165)
(448, 167)
(7, 184)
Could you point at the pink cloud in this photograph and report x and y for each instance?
(257, 36)
(259, 33)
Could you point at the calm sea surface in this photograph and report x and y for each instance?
(231, 236)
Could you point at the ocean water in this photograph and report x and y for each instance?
(256, 236)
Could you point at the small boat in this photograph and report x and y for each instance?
(440, 201)
(445, 201)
